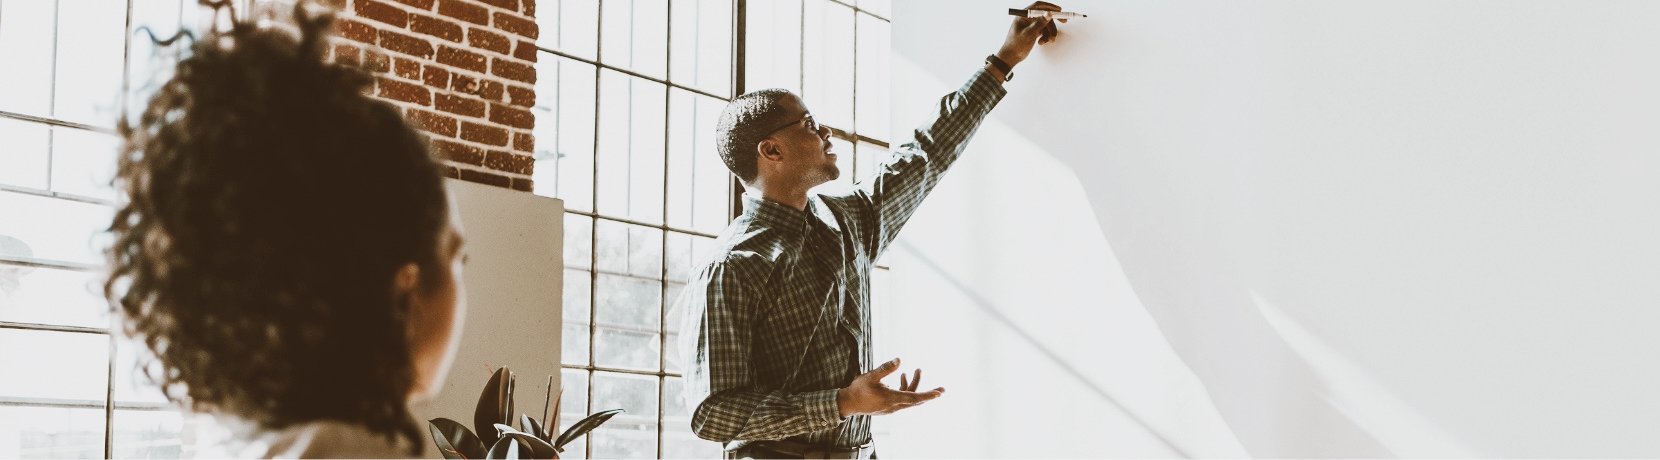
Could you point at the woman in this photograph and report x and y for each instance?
(285, 249)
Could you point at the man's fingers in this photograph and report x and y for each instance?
(1044, 6)
(916, 380)
(882, 371)
(919, 398)
(902, 385)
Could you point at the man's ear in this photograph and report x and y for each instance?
(768, 148)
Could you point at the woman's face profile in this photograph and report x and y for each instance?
(436, 311)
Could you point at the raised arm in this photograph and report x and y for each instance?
(721, 388)
(915, 167)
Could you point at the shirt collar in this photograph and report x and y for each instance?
(772, 213)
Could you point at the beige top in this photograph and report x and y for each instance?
(321, 439)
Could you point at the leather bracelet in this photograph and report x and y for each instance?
(994, 61)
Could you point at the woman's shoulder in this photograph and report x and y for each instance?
(318, 439)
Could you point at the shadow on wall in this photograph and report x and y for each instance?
(1004, 291)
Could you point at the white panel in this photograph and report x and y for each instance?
(513, 278)
(1370, 228)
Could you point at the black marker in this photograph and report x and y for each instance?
(1045, 14)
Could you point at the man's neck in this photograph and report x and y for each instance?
(794, 197)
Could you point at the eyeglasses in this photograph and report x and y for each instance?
(811, 125)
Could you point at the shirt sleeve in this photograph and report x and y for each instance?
(913, 168)
(721, 390)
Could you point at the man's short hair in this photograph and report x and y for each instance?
(743, 124)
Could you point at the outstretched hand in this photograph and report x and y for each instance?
(1026, 33)
(868, 396)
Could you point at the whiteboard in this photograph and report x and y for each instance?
(1367, 228)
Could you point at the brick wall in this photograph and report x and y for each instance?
(463, 71)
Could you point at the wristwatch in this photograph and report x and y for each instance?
(1008, 72)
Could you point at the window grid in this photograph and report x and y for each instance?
(109, 404)
(591, 368)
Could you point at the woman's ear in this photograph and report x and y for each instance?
(409, 276)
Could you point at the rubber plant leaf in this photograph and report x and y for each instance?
(531, 427)
(495, 405)
(530, 447)
(454, 440)
(506, 448)
(583, 426)
(515, 444)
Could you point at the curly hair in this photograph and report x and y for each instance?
(742, 124)
(268, 203)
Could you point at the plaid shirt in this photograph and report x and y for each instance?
(779, 320)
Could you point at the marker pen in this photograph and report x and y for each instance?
(1045, 14)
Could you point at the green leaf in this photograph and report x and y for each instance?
(506, 448)
(454, 440)
(516, 444)
(531, 427)
(495, 405)
(584, 426)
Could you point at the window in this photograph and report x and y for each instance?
(628, 92)
(69, 389)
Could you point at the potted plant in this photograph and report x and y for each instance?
(493, 419)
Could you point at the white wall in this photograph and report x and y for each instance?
(1367, 228)
(515, 241)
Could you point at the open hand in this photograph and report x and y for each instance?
(868, 396)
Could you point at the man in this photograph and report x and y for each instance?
(777, 325)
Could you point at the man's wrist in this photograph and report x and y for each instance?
(996, 74)
(842, 403)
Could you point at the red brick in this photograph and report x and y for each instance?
(515, 24)
(441, 28)
(511, 70)
(357, 31)
(521, 96)
(348, 55)
(480, 38)
(464, 11)
(483, 134)
(523, 185)
(462, 58)
(526, 51)
(334, 4)
(452, 172)
(512, 116)
(459, 105)
(458, 152)
(406, 68)
(490, 90)
(485, 178)
(529, 8)
(507, 161)
(422, 4)
(464, 84)
(382, 12)
(405, 44)
(524, 142)
(432, 122)
(407, 92)
(376, 61)
(436, 77)
(508, 4)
